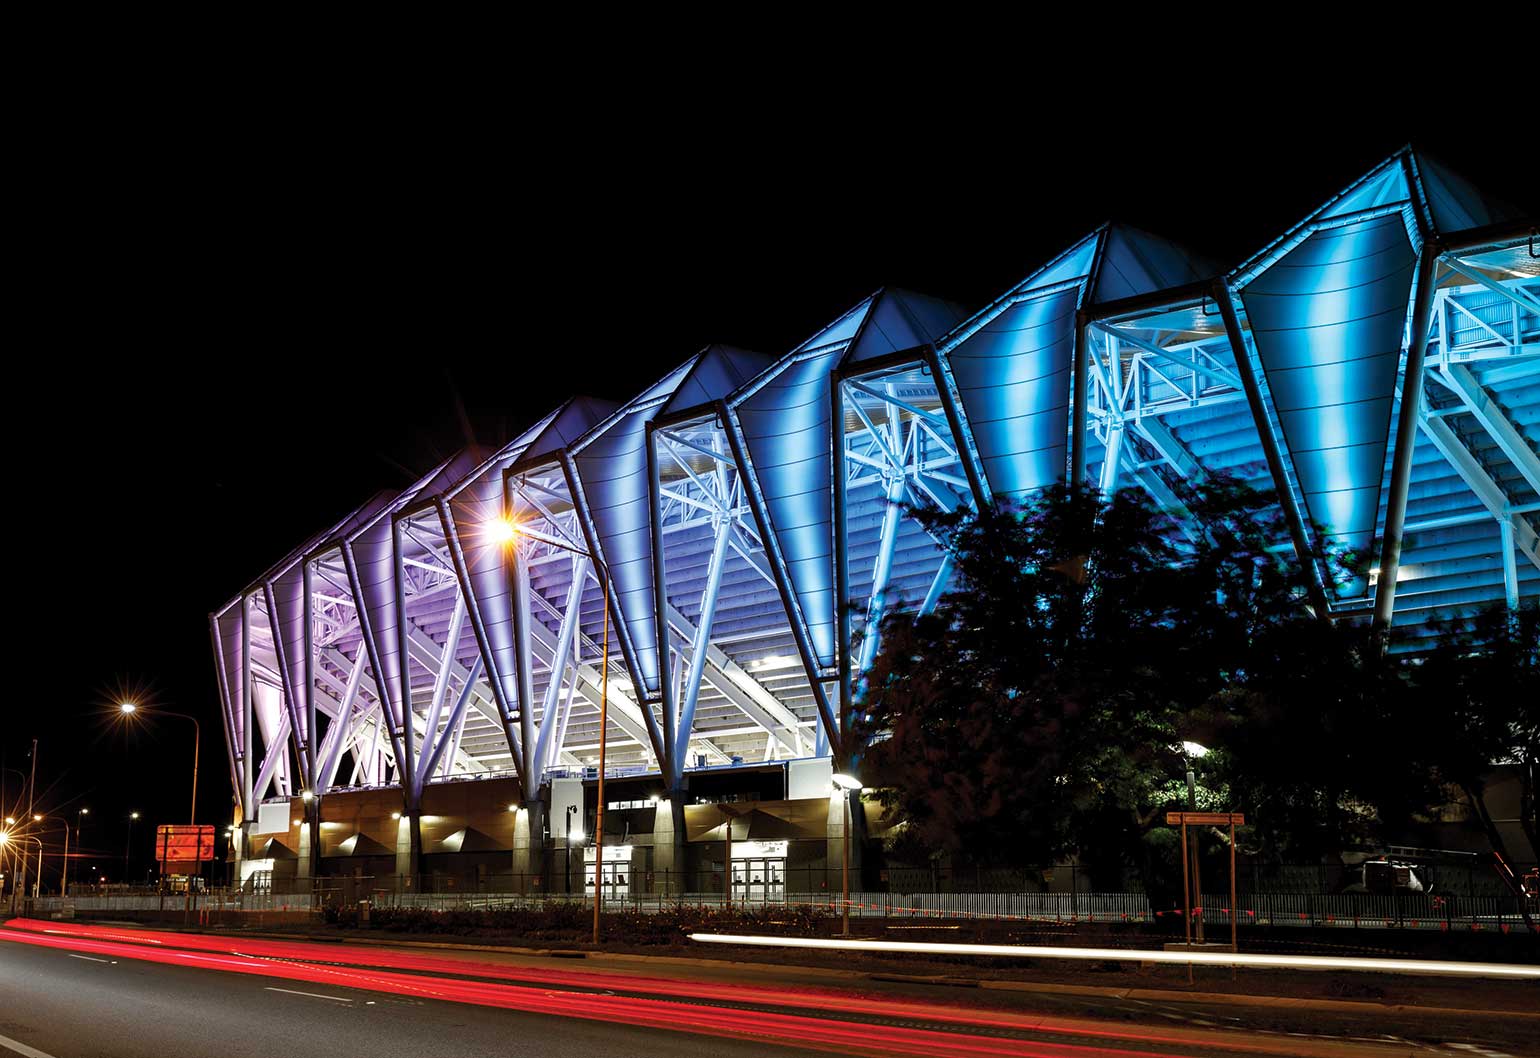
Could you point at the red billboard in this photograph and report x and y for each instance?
(184, 844)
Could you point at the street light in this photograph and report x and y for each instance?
(506, 532)
(64, 872)
(130, 708)
(1192, 751)
(127, 844)
(847, 785)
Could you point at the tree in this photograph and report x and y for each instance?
(1037, 710)
(1475, 699)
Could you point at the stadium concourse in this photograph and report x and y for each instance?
(415, 691)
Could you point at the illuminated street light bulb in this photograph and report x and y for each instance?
(1194, 750)
(133, 815)
(847, 782)
(127, 708)
(395, 815)
(513, 808)
(307, 796)
(502, 531)
(4, 837)
(36, 818)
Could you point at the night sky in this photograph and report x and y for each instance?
(249, 321)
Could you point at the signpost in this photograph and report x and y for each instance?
(189, 846)
(1206, 819)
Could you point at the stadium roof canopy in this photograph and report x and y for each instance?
(740, 526)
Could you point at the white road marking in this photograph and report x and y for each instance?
(88, 958)
(312, 995)
(22, 1049)
(1199, 958)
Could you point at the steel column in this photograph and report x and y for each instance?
(1406, 441)
(660, 604)
(572, 616)
(1270, 450)
(842, 622)
(697, 668)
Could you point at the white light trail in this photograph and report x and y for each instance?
(1506, 971)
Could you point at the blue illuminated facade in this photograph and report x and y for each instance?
(743, 521)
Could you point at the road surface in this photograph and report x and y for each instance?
(72, 990)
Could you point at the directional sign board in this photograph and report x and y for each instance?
(1206, 819)
(184, 844)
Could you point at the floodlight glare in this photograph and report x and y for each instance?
(127, 708)
(307, 796)
(502, 530)
(847, 782)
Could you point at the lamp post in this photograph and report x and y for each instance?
(128, 844)
(37, 883)
(571, 810)
(507, 531)
(1192, 751)
(130, 708)
(64, 873)
(846, 785)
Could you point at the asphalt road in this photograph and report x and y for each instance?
(69, 990)
(75, 1007)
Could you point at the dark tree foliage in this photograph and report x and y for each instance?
(1039, 708)
(1474, 699)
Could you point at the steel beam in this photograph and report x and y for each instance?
(1489, 414)
(697, 662)
(572, 616)
(1270, 450)
(1406, 440)
(1480, 482)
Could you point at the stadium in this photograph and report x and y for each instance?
(415, 693)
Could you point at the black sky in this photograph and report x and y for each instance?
(244, 315)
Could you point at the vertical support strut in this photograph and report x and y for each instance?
(525, 678)
(789, 602)
(1270, 450)
(405, 766)
(666, 688)
(312, 735)
(882, 571)
(572, 616)
(702, 643)
(246, 706)
(842, 622)
(1406, 440)
(1078, 397)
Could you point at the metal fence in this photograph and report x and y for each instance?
(667, 890)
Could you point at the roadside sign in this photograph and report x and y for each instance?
(184, 844)
(1206, 819)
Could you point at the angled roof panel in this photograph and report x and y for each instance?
(611, 466)
(785, 419)
(1456, 203)
(902, 320)
(1013, 377)
(1012, 362)
(1135, 262)
(718, 372)
(1328, 319)
(576, 418)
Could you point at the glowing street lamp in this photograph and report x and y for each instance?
(129, 709)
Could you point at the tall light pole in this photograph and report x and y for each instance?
(1192, 751)
(846, 785)
(37, 883)
(130, 708)
(128, 844)
(507, 531)
(64, 874)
